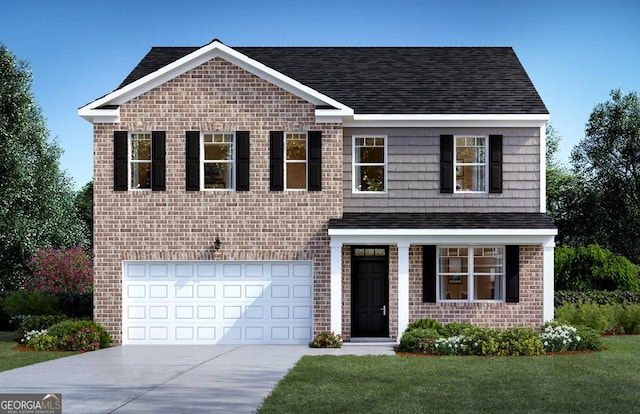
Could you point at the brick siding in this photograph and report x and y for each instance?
(180, 225)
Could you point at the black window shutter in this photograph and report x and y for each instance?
(276, 161)
(242, 160)
(158, 161)
(512, 267)
(193, 161)
(495, 163)
(446, 163)
(315, 160)
(120, 160)
(429, 274)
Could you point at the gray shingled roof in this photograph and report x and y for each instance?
(355, 221)
(394, 80)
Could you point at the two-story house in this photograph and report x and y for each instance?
(264, 194)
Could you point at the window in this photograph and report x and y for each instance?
(139, 161)
(218, 160)
(471, 163)
(295, 161)
(369, 164)
(140, 177)
(471, 273)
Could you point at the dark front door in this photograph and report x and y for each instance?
(370, 292)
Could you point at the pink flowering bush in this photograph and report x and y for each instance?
(60, 270)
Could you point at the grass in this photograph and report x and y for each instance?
(603, 382)
(10, 359)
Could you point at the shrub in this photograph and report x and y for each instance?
(557, 337)
(39, 340)
(60, 270)
(601, 297)
(23, 302)
(605, 319)
(424, 323)
(449, 346)
(326, 339)
(419, 340)
(593, 267)
(83, 335)
(590, 340)
(43, 342)
(456, 328)
(38, 323)
(519, 341)
(629, 318)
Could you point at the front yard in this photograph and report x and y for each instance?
(603, 382)
(10, 359)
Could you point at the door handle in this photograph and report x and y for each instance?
(384, 310)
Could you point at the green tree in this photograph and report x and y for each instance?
(36, 197)
(84, 206)
(563, 189)
(608, 162)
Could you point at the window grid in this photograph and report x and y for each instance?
(140, 161)
(471, 273)
(370, 164)
(218, 159)
(470, 155)
(295, 158)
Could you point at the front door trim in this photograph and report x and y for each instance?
(370, 319)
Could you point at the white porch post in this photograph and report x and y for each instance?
(336, 286)
(403, 287)
(548, 275)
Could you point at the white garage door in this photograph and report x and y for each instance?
(207, 302)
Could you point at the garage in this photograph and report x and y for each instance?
(210, 302)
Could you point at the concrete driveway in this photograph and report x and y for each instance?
(167, 379)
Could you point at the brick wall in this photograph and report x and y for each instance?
(527, 312)
(180, 225)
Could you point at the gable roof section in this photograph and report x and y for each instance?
(368, 81)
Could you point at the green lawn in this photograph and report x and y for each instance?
(14, 359)
(602, 382)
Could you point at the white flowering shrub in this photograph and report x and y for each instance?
(557, 337)
(33, 335)
(452, 345)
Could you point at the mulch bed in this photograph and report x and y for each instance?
(412, 354)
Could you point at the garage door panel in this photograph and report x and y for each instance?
(159, 270)
(254, 271)
(206, 271)
(254, 312)
(158, 291)
(217, 302)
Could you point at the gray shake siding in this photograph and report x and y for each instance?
(413, 173)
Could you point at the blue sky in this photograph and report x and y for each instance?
(575, 52)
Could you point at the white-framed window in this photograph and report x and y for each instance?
(471, 273)
(295, 159)
(140, 160)
(370, 164)
(218, 158)
(471, 164)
